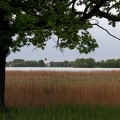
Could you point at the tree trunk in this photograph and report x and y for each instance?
(2, 79)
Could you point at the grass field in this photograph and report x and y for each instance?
(52, 95)
(65, 112)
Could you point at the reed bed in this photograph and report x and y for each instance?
(51, 88)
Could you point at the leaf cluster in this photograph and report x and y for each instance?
(34, 22)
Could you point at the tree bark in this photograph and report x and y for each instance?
(2, 79)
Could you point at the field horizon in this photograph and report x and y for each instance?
(60, 69)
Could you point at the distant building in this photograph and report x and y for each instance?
(56, 64)
(46, 62)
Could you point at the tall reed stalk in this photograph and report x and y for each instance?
(50, 88)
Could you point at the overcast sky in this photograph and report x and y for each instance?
(109, 48)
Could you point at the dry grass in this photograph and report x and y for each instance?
(43, 88)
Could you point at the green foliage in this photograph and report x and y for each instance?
(78, 63)
(67, 63)
(102, 63)
(111, 63)
(31, 63)
(84, 63)
(41, 63)
(17, 63)
(28, 63)
(118, 63)
(34, 22)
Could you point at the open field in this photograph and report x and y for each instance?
(55, 95)
(51, 88)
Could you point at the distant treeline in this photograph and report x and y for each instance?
(78, 63)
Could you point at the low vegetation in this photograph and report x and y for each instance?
(51, 95)
(66, 112)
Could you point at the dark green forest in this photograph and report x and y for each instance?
(78, 63)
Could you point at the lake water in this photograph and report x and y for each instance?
(58, 69)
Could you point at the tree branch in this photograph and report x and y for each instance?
(93, 11)
(73, 6)
(106, 30)
(85, 11)
(70, 3)
(114, 5)
(108, 16)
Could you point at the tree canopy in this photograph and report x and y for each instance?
(35, 21)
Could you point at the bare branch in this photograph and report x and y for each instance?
(106, 31)
(58, 44)
(97, 21)
(35, 49)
